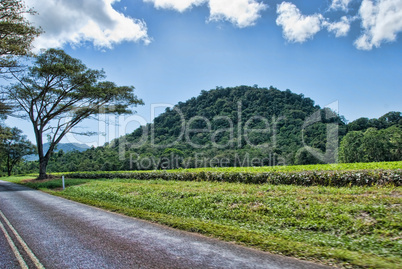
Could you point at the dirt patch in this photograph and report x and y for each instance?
(366, 218)
(396, 194)
(34, 180)
(256, 206)
(234, 205)
(30, 180)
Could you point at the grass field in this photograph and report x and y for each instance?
(295, 168)
(345, 226)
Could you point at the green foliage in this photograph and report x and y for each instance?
(13, 147)
(372, 145)
(347, 226)
(240, 126)
(326, 175)
(16, 33)
(16, 36)
(19, 179)
(4, 109)
(59, 86)
(302, 168)
(55, 184)
(389, 119)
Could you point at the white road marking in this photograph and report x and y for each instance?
(21, 241)
(17, 254)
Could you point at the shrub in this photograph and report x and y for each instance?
(304, 178)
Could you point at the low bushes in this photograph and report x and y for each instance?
(302, 178)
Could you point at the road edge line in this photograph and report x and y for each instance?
(34, 259)
(17, 254)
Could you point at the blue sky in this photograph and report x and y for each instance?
(349, 51)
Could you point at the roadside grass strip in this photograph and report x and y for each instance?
(352, 227)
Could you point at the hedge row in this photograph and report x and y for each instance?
(304, 178)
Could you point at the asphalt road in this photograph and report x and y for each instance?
(51, 232)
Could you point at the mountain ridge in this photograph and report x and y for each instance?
(66, 147)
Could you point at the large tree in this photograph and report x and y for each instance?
(16, 32)
(14, 146)
(58, 92)
(16, 36)
(4, 109)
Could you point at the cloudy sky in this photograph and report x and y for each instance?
(345, 51)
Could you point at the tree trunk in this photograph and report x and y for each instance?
(42, 168)
(43, 158)
(8, 165)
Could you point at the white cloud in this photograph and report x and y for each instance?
(297, 27)
(381, 21)
(340, 4)
(242, 13)
(340, 28)
(179, 5)
(78, 21)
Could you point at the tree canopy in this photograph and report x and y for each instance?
(372, 145)
(14, 146)
(16, 36)
(239, 126)
(16, 32)
(4, 109)
(58, 91)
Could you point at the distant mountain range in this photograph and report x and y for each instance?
(66, 147)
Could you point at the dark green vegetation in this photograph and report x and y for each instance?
(318, 175)
(13, 147)
(347, 226)
(58, 92)
(241, 126)
(16, 34)
(372, 145)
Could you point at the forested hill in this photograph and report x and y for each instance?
(254, 119)
(225, 106)
(240, 126)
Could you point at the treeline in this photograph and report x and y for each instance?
(240, 126)
(14, 146)
(373, 140)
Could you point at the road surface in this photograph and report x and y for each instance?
(38, 230)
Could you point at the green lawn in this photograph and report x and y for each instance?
(347, 226)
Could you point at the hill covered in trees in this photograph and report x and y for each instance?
(239, 126)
